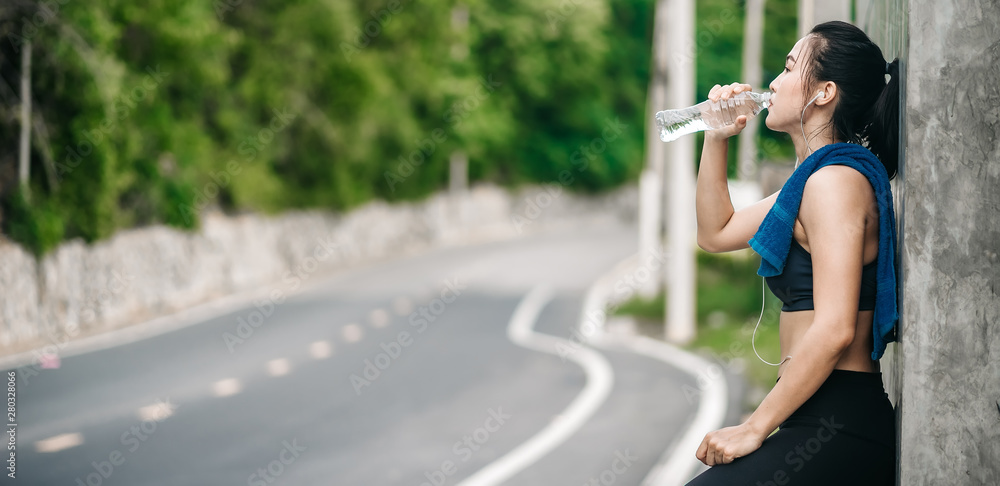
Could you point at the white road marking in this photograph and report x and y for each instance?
(278, 367)
(599, 380)
(59, 442)
(352, 333)
(378, 318)
(156, 412)
(320, 349)
(226, 387)
(402, 306)
(678, 463)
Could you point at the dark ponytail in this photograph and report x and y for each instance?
(882, 132)
(867, 112)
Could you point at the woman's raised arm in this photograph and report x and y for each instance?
(720, 228)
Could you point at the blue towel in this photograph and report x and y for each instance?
(774, 236)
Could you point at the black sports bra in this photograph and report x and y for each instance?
(794, 286)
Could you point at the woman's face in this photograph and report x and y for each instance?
(787, 99)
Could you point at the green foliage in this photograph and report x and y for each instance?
(724, 283)
(38, 226)
(155, 111)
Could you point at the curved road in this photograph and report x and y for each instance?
(395, 373)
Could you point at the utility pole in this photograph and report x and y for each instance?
(753, 34)
(651, 179)
(681, 225)
(24, 155)
(458, 162)
(812, 12)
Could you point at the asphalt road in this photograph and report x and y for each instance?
(349, 382)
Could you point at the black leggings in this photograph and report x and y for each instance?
(844, 434)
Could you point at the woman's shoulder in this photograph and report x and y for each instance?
(836, 188)
(842, 176)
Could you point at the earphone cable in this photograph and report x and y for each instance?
(802, 123)
(754, 335)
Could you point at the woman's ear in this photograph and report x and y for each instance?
(830, 92)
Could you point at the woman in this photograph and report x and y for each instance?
(837, 425)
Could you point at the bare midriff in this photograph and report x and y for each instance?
(792, 325)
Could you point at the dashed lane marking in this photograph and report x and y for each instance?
(402, 306)
(226, 387)
(378, 318)
(278, 367)
(352, 333)
(59, 442)
(156, 412)
(320, 349)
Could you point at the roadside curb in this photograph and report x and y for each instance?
(678, 464)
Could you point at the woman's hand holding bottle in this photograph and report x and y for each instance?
(722, 93)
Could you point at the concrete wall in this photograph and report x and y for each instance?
(885, 21)
(946, 366)
(80, 290)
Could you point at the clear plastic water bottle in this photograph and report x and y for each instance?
(709, 115)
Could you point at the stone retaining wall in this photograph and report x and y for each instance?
(79, 289)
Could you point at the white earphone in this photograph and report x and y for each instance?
(802, 123)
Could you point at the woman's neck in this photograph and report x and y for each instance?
(815, 141)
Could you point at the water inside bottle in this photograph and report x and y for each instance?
(709, 115)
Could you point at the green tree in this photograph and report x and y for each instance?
(154, 112)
